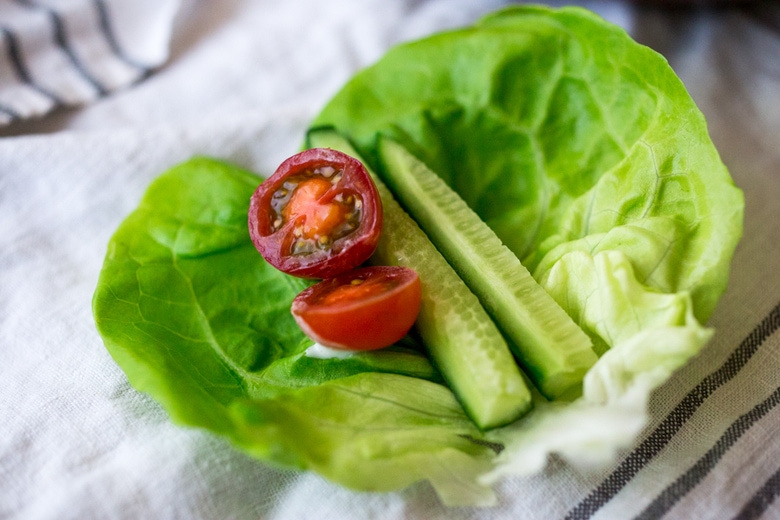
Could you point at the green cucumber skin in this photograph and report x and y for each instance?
(462, 340)
(554, 351)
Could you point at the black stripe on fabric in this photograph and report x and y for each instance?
(15, 56)
(107, 29)
(761, 500)
(687, 481)
(61, 39)
(673, 422)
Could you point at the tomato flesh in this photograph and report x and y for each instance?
(363, 309)
(318, 219)
(318, 215)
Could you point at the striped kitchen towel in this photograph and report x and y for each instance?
(61, 53)
(760, 339)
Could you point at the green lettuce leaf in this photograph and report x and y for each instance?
(555, 126)
(197, 319)
(586, 155)
(649, 334)
(578, 146)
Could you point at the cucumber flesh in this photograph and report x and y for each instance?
(461, 339)
(554, 352)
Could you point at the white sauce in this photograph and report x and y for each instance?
(322, 352)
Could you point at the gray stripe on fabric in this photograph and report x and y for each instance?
(761, 501)
(17, 61)
(688, 480)
(106, 27)
(675, 420)
(62, 41)
(10, 112)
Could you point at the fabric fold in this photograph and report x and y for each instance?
(62, 53)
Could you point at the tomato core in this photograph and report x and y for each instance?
(314, 217)
(318, 215)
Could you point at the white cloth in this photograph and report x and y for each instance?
(59, 53)
(242, 81)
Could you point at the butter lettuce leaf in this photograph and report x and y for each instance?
(555, 126)
(649, 334)
(197, 319)
(578, 146)
(585, 153)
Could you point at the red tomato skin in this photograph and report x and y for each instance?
(347, 252)
(373, 323)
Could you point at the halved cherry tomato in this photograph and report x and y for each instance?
(318, 215)
(363, 309)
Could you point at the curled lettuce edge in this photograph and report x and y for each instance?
(652, 335)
